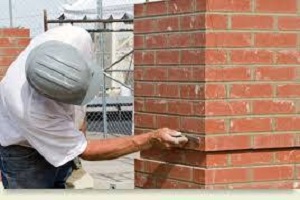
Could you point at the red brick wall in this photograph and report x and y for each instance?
(227, 71)
(12, 42)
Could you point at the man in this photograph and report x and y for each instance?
(38, 95)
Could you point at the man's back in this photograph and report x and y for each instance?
(30, 119)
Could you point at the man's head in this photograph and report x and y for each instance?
(58, 71)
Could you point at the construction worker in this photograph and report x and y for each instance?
(38, 95)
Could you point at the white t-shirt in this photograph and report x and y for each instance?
(29, 119)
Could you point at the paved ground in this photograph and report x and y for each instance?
(116, 173)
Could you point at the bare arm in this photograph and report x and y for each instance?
(108, 149)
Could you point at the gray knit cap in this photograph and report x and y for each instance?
(58, 71)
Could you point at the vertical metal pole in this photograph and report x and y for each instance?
(102, 64)
(10, 14)
(45, 21)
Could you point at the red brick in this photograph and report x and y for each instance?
(179, 6)
(288, 123)
(180, 107)
(168, 24)
(227, 74)
(180, 74)
(216, 160)
(144, 26)
(144, 120)
(179, 40)
(139, 104)
(144, 58)
(155, 74)
(22, 42)
(6, 61)
(139, 10)
(298, 172)
(138, 42)
(142, 180)
(215, 91)
(224, 108)
(193, 22)
(215, 126)
(192, 91)
(251, 57)
(276, 40)
(288, 6)
(192, 57)
(10, 51)
(195, 158)
(198, 74)
(250, 125)
(288, 23)
(258, 185)
(174, 184)
(297, 140)
(273, 107)
(3, 70)
(138, 131)
(5, 42)
(168, 90)
(215, 57)
(199, 108)
(228, 39)
(287, 156)
(172, 122)
(155, 106)
(156, 41)
(138, 74)
(288, 90)
(215, 21)
(201, 5)
(251, 91)
(275, 73)
(230, 142)
(144, 89)
(229, 5)
(174, 156)
(229, 175)
(201, 57)
(288, 56)
(14, 32)
(192, 125)
(272, 173)
(273, 140)
(156, 8)
(167, 57)
(184, 173)
(199, 175)
(251, 22)
(139, 165)
(199, 39)
(251, 158)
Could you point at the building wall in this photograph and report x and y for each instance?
(12, 42)
(228, 72)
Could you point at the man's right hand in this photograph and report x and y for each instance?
(167, 138)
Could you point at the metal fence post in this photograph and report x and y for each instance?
(10, 14)
(102, 63)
